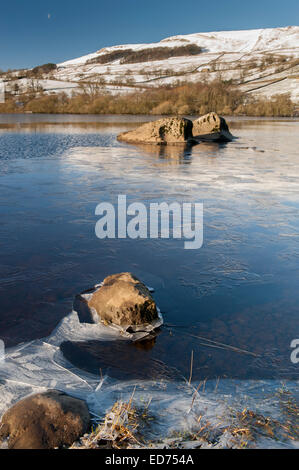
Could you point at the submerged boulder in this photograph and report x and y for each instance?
(45, 421)
(211, 127)
(123, 300)
(171, 130)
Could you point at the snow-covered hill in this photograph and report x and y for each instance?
(221, 41)
(261, 61)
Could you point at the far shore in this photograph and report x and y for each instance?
(193, 99)
(148, 116)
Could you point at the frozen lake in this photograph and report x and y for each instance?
(233, 302)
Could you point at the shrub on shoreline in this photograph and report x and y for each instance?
(181, 99)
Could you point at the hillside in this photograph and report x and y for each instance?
(262, 62)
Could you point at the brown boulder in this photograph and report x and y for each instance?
(45, 421)
(123, 300)
(211, 127)
(171, 130)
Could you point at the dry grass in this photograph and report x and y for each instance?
(246, 429)
(120, 428)
(117, 430)
(290, 411)
(124, 424)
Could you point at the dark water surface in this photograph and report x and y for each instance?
(241, 289)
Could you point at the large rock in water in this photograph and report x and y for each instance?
(170, 130)
(211, 127)
(45, 421)
(123, 300)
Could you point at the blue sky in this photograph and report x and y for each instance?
(34, 32)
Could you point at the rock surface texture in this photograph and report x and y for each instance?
(211, 127)
(45, 421)
(123, 300)
(171, 130)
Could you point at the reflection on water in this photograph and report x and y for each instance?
(180, 153)
(240, 289)
(66, 119)
(63, 128)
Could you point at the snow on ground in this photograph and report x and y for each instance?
(225, 51)
(235, 55)
(220, 41)
(289, 84)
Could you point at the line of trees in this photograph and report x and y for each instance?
(182, 99)
(130, 56)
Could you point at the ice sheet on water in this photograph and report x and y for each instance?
(38, 365)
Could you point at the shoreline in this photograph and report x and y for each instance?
(97, 118)
(233, 413)
(227, 116)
